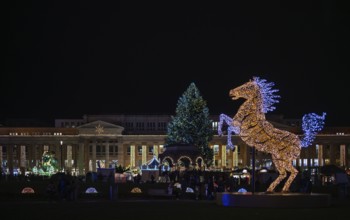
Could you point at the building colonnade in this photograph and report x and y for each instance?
(84, 154)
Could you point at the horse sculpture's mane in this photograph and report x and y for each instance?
(250, 124)
(267, 94)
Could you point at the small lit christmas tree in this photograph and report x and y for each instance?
(49, 164)
(191, 124)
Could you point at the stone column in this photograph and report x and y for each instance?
(223, 156)
(107, 154)
(93, 162)
(212, 148)
(75, 159)
(69, 158)
(342, 155)
(320, 155)
(235, 157)
(132, 156)
(156, 151)
(144, 154)
(10, 158)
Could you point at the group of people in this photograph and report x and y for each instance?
(65, 188)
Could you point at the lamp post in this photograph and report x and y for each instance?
(253, 170)
(61, 142)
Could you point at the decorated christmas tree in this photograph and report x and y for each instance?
(191, 124)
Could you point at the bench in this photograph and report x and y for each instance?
(159, 193)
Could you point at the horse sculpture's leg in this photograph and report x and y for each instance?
(282, 173)
(223, 118)
(228, 121)
(293, 174)
(230, 129)
(229, 140)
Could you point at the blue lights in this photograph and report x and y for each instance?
(225, 199)
(267, 94)
(312, 123)
(230, 129)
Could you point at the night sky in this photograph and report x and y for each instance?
(67, 59)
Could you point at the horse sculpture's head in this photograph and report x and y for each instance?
(260, 89)
(246, 91)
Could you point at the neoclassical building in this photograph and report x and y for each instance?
(83, 145)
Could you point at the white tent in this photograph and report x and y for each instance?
(152, 164)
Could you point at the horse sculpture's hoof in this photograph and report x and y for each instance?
(269, 192)
(285, 191)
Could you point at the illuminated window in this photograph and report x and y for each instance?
(216, 149)
(128, 151)
(305, 162)
(215, 125)
(139, 150)
(161, 149)
(150, 150)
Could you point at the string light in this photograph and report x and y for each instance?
(312, 124)
(250, 124)
(230, 129)
(267, 94)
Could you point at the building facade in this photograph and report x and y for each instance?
(83, 145)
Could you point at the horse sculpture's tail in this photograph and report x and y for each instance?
(312, 124)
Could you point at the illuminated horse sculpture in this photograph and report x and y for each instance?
(250, 124)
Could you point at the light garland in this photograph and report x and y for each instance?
(267, 94)
(230, 129)
(250, 124)
(312, 124)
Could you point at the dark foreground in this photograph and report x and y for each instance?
(161, 209)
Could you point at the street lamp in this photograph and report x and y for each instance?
(61, 142)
